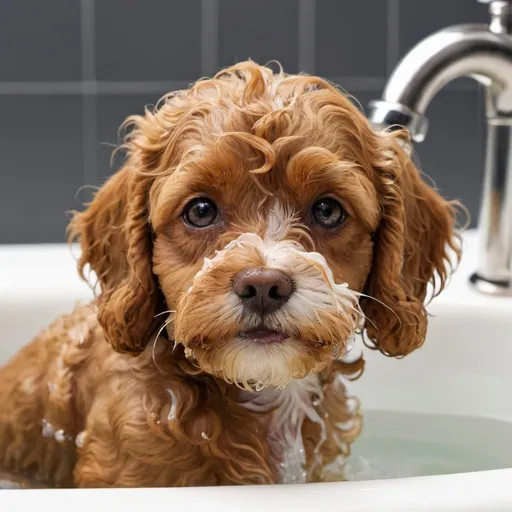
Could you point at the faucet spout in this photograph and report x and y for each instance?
(483, 52)
(454, 52)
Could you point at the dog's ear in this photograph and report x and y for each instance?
(415, 245)
(116, 242)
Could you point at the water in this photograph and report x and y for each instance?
(397, 445)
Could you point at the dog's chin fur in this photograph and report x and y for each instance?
(78, 409)
(256, 366)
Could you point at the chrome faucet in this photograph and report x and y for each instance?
(483, 52)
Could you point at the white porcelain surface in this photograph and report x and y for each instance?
(464, 369)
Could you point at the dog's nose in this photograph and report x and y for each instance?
(263, 290)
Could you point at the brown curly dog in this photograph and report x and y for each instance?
(258, 223)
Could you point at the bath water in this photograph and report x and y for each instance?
(398, 445)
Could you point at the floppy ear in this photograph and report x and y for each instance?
(414, 244)
(116, 241)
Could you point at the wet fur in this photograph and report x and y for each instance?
(97, 400)
(123, 408)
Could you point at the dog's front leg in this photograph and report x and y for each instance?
(328, 442)
(123, 446)
(126, 445)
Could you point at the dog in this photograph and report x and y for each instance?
(258, 224)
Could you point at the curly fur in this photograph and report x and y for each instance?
(160, 403)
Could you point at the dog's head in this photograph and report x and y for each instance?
(270, 221)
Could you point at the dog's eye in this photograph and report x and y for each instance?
(200, 212)
(328, 212)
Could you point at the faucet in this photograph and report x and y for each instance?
(483, 52)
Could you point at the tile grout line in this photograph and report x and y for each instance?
(209, 37)
(306, 36)
(88, 91)
(393, 35)
(88, 87)
(87, 8)
(89, 139)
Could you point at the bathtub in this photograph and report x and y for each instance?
(451, 397)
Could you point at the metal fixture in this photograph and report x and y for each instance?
(483, 52)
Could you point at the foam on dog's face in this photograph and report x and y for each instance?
(319, 317)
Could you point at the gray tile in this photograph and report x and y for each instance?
(350, 41)
(149, 40)
(39, 40)
(420, 18)
(41, 166)
(111, 112)
(262, 30)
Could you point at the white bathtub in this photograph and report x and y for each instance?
(463, 371)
